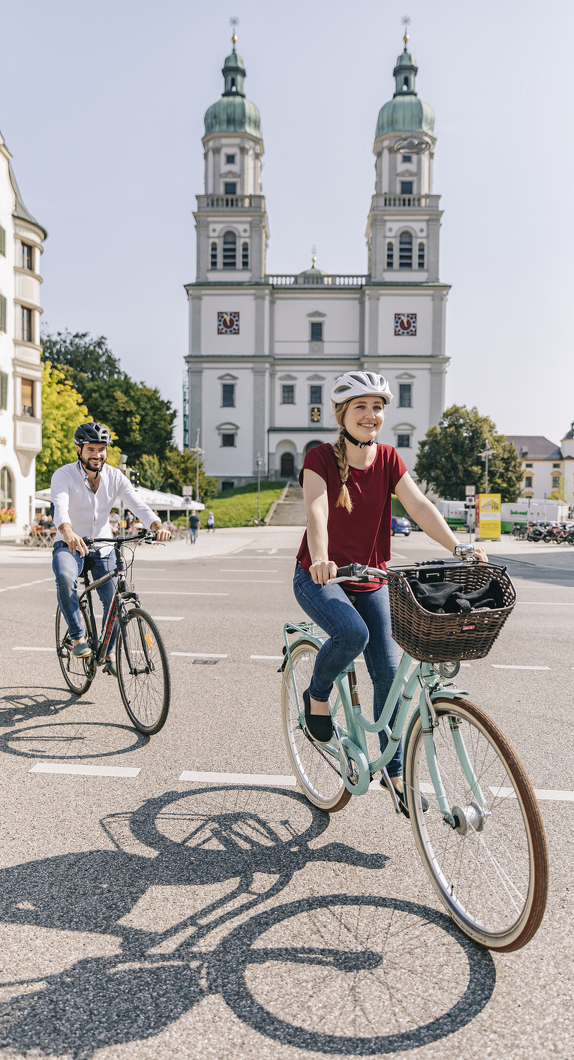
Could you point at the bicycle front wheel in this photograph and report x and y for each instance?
(491, 869)
(317, 772)
(78, 673)
(143, 672)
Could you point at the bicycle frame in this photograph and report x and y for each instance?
(352, 744)
(121, 595)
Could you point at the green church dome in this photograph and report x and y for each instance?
(233, 112)
(405, 112)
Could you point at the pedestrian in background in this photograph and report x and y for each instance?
(210, 522)
(193, 527)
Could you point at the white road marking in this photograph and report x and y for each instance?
(166, 618)
(465, 664)
(501, 666)
(266, 656)
(200, 654)
(34, 649)
(232, 570)
(237, 778)
(544, 794)
(214, 581)
(170, 592)
(25, 585)
(85, 771)
(397, 555)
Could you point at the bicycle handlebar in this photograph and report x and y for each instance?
(359, 572)
(148, 535)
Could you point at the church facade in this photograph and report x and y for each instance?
(264, 350)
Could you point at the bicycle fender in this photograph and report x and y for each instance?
(449, 693)
(357, 756)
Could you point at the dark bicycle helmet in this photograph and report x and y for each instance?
(93, 433)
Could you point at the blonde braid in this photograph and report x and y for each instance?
(340, 451)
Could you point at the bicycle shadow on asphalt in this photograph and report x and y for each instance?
(185, 868)
(66, 740)
(19, 703)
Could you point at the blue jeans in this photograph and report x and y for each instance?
(67, 568)
(193, 534)
(364, 626)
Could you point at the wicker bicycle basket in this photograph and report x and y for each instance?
(444, 638)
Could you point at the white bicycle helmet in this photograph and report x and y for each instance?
(357, 384)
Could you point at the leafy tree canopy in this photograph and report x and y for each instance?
(449, 457)
(139, 416)
(63, 410)
(179, 470)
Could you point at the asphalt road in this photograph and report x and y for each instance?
(145, 916)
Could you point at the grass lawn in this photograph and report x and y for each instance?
(236, 507)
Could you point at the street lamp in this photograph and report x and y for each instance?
(259, 462)
(487, 451)
(198, 452)
(123, 465)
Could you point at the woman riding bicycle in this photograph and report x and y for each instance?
(347, 489)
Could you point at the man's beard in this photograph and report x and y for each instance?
(100, 461)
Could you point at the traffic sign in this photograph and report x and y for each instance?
(187, 497)
(189, 490)
(470, 491)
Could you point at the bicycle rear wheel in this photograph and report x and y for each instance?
(78, 673)
(143, 672)
(317, 772)
(491, 870)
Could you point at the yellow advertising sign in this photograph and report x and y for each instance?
(488, 509)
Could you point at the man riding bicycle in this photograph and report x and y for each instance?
(83, 495)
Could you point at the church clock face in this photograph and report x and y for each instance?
(228, 323)
(405, 323)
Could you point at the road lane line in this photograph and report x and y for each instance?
(214, 581)
(233, 570)
(85, 771)
(25, 585)
(266, 656)
(35, 649)
(200, 654)
(544, 794)
(501, 666)
(172, 592)
(166, 618)
(237, 778)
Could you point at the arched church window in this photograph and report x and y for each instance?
(390, 256)
(245, 256)
(405, 250)
(233, 88)
(229, 250)
(405, 84)
(214, 255)
(6, 488)
(421, 255)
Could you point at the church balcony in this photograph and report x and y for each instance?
(325, 280)
(406, 202)
(231, 202)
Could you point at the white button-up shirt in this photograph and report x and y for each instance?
(88, 512)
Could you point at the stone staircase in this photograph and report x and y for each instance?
(291, 510)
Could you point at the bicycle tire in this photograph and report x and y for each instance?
(317, 773)
(78, 673)
(491, 873)
(147, 712)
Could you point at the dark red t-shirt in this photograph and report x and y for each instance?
(363, 535)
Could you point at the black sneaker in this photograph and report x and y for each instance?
(402, 798)
(319, 726)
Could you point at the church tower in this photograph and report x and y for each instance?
(231, 220)
(404, 219)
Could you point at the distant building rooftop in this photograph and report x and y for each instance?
(535, 447)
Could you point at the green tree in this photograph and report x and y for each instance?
(560, 494)
(62, 410)
(449, 457)
(151, 472)
(139, 416)
(179, 471)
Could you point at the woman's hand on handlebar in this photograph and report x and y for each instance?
(322, 570)
(480, 554)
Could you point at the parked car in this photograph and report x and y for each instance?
(400, 525)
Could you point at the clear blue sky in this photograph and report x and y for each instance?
(102, 108)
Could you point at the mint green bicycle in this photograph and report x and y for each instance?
(480, 834)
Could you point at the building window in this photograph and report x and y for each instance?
(228, 484)
(421, 255)
(27, 391)
(528, 465)
(2, 241)
(230, 161)
(316, 395)
(6, 488)
(556, 466)
(316, 331)
(2, 313)
(229, 250)
(288, 394)
(405, 251)
(228, 441)
(27, 257)
(403, 441)
(214, 255)
(230, 188)
(390, 255)
(405, 395)
(228, 395)
(528, 482)
(406, 187)
(3, 390)
(27, 335)
(555, 482)
(407, 158)
(245, 256)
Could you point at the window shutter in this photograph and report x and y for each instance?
(3, 390)
(2, 241)
(2, 313)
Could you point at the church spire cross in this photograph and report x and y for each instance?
(234, 22)
(406, 23)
